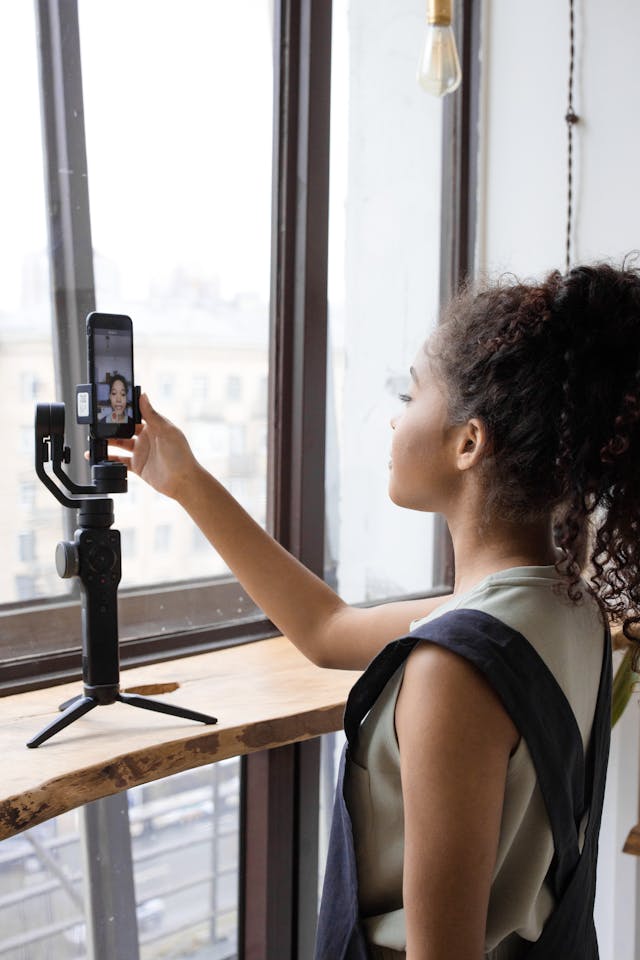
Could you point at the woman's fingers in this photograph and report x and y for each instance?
(125, 443)
(125, 460)
(147, 411)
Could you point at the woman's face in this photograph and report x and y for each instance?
(422, 470)
(118, 397)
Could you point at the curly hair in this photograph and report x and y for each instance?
(553, 371)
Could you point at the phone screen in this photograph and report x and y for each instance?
(110, 343)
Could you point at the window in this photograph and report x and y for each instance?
(182, 845)
(193, 278)
(197, 285)
(129, 541)
(234, 389)
(199, 542)
(27, 546)
(157, 229)
(27, 494)
(26, 441)
(26, 341)
(200, 387)
(28, 387)
(165, 388)
(25, 587)
(172, 224)
(384, 250)
(162, 538)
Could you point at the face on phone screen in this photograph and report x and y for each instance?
(111, 369)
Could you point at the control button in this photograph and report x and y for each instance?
(67, 560)
(101, 558)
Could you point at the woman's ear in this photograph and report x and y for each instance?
(472, 444)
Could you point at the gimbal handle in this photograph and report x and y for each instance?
(94, 557)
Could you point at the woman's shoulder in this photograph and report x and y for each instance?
(568, 636)
(528, 599)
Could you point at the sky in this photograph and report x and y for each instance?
(178, 117)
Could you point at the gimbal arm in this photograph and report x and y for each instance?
(50, 446)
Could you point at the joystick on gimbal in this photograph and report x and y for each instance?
(94, 557)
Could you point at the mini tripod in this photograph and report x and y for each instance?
(94, 557)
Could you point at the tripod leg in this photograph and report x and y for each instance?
(78, 708)
(67, 703)
(148, 704)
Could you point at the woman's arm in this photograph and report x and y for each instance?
(304, 608)
(455, 740)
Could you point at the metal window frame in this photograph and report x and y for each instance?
(50, 660)
(280, 788)
(297, 360)
(459, 214)
(67, 196)
(277, 880)
(279, 827)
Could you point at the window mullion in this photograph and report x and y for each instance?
(67, 192)
(110, 902)
(299, 284)
(458, 217)
(280, 828)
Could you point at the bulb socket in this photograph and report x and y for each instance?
(439, 13)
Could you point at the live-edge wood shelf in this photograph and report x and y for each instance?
(264, 694)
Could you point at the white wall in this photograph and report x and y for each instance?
(522, 218)
(525, 73)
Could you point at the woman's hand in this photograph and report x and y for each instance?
(160, 453)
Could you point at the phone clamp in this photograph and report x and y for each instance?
(94, 556)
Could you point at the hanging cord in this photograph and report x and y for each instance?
(571, 118)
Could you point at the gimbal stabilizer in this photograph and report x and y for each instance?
(94, 557)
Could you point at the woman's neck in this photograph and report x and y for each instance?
(481, 548)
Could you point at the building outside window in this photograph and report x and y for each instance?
(162, 538)
(27, 546)
(234, 388)
(162, 236)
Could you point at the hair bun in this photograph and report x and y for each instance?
(598, 297)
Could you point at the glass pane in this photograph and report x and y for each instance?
(179, 141)
(185, 851)
(384, 238)
(185, 833)
(31, 520)
(42, 884)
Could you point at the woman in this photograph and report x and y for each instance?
(117, 412)
(466, 824)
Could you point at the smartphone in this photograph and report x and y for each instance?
(110, 350)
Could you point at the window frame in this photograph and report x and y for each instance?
(298, 331)
(279, 794)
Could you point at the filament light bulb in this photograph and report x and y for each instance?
(439, 67)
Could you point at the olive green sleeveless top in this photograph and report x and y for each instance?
(568, 637)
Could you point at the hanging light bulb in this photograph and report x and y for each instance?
(439, 68)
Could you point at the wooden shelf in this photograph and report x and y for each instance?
(264, 694)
